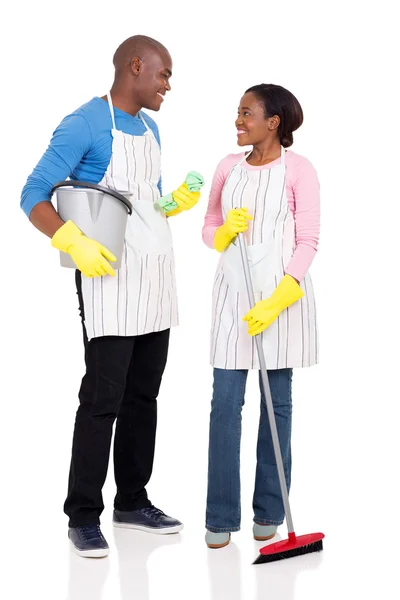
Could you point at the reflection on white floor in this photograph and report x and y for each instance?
(134, 553)
(131, 553)
(273, 580)
(125, 573)
(86, 579)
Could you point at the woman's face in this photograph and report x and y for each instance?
(252, 126)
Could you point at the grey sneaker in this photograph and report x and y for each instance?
(217, 540)
(262, 533)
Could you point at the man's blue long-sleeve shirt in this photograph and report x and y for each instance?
(80, 149)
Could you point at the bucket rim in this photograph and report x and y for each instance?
(94, 186)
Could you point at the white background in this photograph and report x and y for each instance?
(339, 59)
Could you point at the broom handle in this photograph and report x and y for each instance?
(267, 391)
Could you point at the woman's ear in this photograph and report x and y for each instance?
(274, 123)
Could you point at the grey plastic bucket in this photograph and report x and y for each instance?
(100, 213)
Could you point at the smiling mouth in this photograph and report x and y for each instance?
(241, 132)
(161, 96)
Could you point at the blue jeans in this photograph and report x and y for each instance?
(223, 496)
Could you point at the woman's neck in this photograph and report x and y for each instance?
(264, 153)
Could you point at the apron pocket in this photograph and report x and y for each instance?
(263, 261)
(264, 265)
(148, 229)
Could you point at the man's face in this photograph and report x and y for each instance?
(153, 79)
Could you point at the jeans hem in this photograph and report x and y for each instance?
(222, 529)
(267, 522)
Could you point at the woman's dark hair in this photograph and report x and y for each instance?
(279, 101)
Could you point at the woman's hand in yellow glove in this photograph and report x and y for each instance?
(264, 313)
(88, 255)
(236, 222)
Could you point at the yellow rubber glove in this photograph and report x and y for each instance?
(236, 222)
(184, 198)
(88, 255)
(264, 313)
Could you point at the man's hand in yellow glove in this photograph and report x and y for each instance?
(236, 222)
(264, 313)
(184, 198)
(88, 255)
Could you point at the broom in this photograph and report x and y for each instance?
(293, 546)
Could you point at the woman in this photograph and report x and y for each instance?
(272, 195)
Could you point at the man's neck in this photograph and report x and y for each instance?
(122, 102)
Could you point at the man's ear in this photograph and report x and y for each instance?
(136, 65)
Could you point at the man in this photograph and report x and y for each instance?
(126, 314)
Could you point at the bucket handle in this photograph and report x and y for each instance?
(94, 186)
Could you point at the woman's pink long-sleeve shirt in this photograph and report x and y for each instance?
(302, 189)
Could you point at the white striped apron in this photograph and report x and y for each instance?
(291, 341)
(141, 298)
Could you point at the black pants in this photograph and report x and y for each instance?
(122, 381)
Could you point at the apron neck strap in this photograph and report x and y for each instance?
(283, 154)
(112, 113)
(151, 132)
(110, 104)
(242, 160)
(144, 122)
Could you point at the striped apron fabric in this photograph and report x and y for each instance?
(292, 340)
(142, 297)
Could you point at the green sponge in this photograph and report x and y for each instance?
(193, 180)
